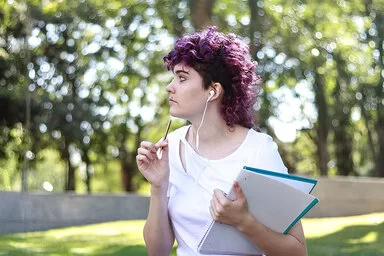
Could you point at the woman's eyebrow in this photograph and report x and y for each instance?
(181, 71)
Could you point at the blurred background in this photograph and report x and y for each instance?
(82, 82)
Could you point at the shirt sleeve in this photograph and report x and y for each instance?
(267, 156)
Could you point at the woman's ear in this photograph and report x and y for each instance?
(218, 90)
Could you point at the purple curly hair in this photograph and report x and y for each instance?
(224, 59)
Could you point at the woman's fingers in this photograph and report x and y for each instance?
(162, 143)
(142, 158)
(145, 152)
(217, 207)
(149, 153)
(148, 145)
(162, 149)
(220, 196)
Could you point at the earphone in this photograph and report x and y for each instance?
(211, 93)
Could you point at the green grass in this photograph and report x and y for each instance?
(358, 235)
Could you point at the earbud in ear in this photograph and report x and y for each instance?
(211, 93)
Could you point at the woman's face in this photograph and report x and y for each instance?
(187, 96)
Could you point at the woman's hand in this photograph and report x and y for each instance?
(227, 211)
(154, 168)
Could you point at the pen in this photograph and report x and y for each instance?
(167, 130)
(160, 151)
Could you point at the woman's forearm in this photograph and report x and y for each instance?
(273, 243)
(158, 234)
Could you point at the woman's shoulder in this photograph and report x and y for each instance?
(259, 137)
(266, 156)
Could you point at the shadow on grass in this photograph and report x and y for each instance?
(138, 250)
(367, 240)
(49, 248)
(60, 244)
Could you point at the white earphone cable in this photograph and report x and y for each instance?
(201, 123)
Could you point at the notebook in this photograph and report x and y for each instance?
(277, 200)
(302, 183)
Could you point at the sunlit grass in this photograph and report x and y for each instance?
(355, 235)
(358, 235)
(324, 226)
(115, 238)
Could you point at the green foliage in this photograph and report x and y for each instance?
(40, 180)
(89, 67)
(106, 178)
(94, 74)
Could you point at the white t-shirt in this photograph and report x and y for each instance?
(190, 191)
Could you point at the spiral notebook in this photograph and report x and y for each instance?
(277, 200)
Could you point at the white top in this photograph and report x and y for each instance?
(190, 191)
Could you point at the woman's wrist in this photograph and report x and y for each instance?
(159, 190)
(247, 222)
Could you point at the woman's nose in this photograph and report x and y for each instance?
(169, 87)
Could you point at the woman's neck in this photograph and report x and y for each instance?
(209, 131)
(216, 138)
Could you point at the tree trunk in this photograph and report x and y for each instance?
(255, 28)
(126, 174)
(201, 13)
(367, 119)
(126, 170)
(380, 96)
(343, 140)
(70, 181)
(380, 123)
(71, 177)
(343, 147)
(322, 125)
(371, 10)
(380, 158)
(128, 159)
(88, 173)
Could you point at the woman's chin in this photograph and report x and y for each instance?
(174, 113)
(177, 115)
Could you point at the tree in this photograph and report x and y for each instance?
(373, 92)
(93, 77)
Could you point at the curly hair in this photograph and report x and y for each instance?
(225, 59)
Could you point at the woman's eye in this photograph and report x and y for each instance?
(181, 78)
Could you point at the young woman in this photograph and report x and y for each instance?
(215, 89)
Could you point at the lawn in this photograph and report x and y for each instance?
(358, 235)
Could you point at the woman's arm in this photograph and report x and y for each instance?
(237, 214)
(158, 234)
(273, 243)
